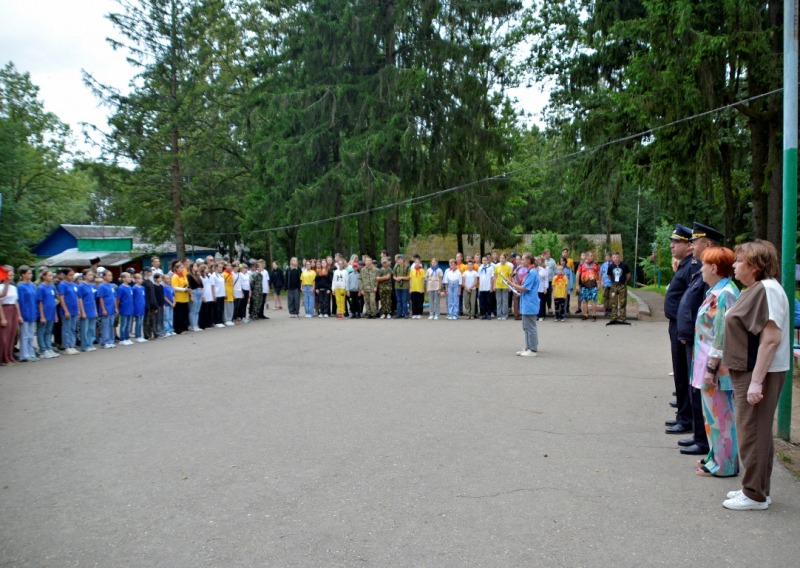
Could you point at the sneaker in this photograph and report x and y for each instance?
(735, 494)
(54, 354)
(220, 325)
(320, 316)
(245, 320)
(430, 317)
(31, 359)
(229, 324)
(436, 317)
(528, 353)
(523, 351)
(92, 349)
(70, 351)
(109, 346)
(326, 315)
(126, 342)
(141, 340)
(743, 503)
(540, 319)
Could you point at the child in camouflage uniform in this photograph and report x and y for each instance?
(385, 288)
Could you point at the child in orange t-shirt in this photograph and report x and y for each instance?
(560, 284)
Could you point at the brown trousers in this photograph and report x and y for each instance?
(754, 431)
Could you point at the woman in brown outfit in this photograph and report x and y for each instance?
(756, 352)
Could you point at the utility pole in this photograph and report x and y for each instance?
(789, 240)
(636, 245)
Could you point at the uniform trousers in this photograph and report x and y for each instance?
(680, 370)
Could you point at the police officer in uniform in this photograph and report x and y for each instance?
(703, 238)
(682, 250)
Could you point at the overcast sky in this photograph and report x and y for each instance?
(54, 39)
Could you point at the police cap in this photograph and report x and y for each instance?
(681, 233)
(700, 231)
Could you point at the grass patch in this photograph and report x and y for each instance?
(785, 457)
(653, 288)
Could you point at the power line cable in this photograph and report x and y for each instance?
(499, 177)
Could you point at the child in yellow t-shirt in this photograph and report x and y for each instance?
(560, 284)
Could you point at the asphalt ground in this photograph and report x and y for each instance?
(368, 443)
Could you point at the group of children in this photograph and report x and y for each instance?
(92, 308)
(477, 287)
(64, 310)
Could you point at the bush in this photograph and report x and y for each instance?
(545, 240)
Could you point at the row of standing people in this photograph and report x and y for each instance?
(730, 354)
(64, 310)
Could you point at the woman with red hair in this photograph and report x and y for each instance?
(713, 381)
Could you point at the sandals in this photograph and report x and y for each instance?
(703, 472)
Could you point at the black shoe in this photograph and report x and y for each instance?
(686, 442)
(623, 322)
(612, 322)
(405, 316)
(577, 312)
(678, 429)
(670, 423)
(694, 450)
(674, 393)
(594, 318)
(673, 404)
(265, 317)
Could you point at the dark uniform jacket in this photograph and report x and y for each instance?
(679, 285)
(690, 304)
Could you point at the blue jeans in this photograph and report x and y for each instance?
(88, 332)
(452, 301)
(194, 307)
(26, 332)
(168, 318)
(402, 302)
(43, 334)
(137, 326)
(107, 330)
(69, 332)
(308, 300)
(125, 327)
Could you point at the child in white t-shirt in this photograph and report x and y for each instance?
(469, 292)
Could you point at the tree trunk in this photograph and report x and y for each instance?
(268, 242)
(759, 150)
(291, 242)
(726, 175)
(338, 228)
(362, 234)
(373, 238)
(392, 231)
(177, 203)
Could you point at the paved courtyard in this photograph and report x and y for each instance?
(367, 443)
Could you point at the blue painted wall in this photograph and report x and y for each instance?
(57, 242)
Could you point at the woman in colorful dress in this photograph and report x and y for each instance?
(713, 381)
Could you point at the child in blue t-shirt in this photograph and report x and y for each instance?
(26, 301)
(125, 308)
(169, 303)
(139, 307)
(87, 299)
(106, 310)
(70, 312)
(46, 299)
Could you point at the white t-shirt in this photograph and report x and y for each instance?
(265, 281)
(208, 289)
(452, 277)
(485, 275)
(237, 285)
(779, 313)
(10, 298)
(470, 276)
(219, 284)
(544, 283)
(339, 279)
(245, 281)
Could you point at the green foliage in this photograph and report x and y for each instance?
(651, 264)
(545, 240)
(39, 190)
